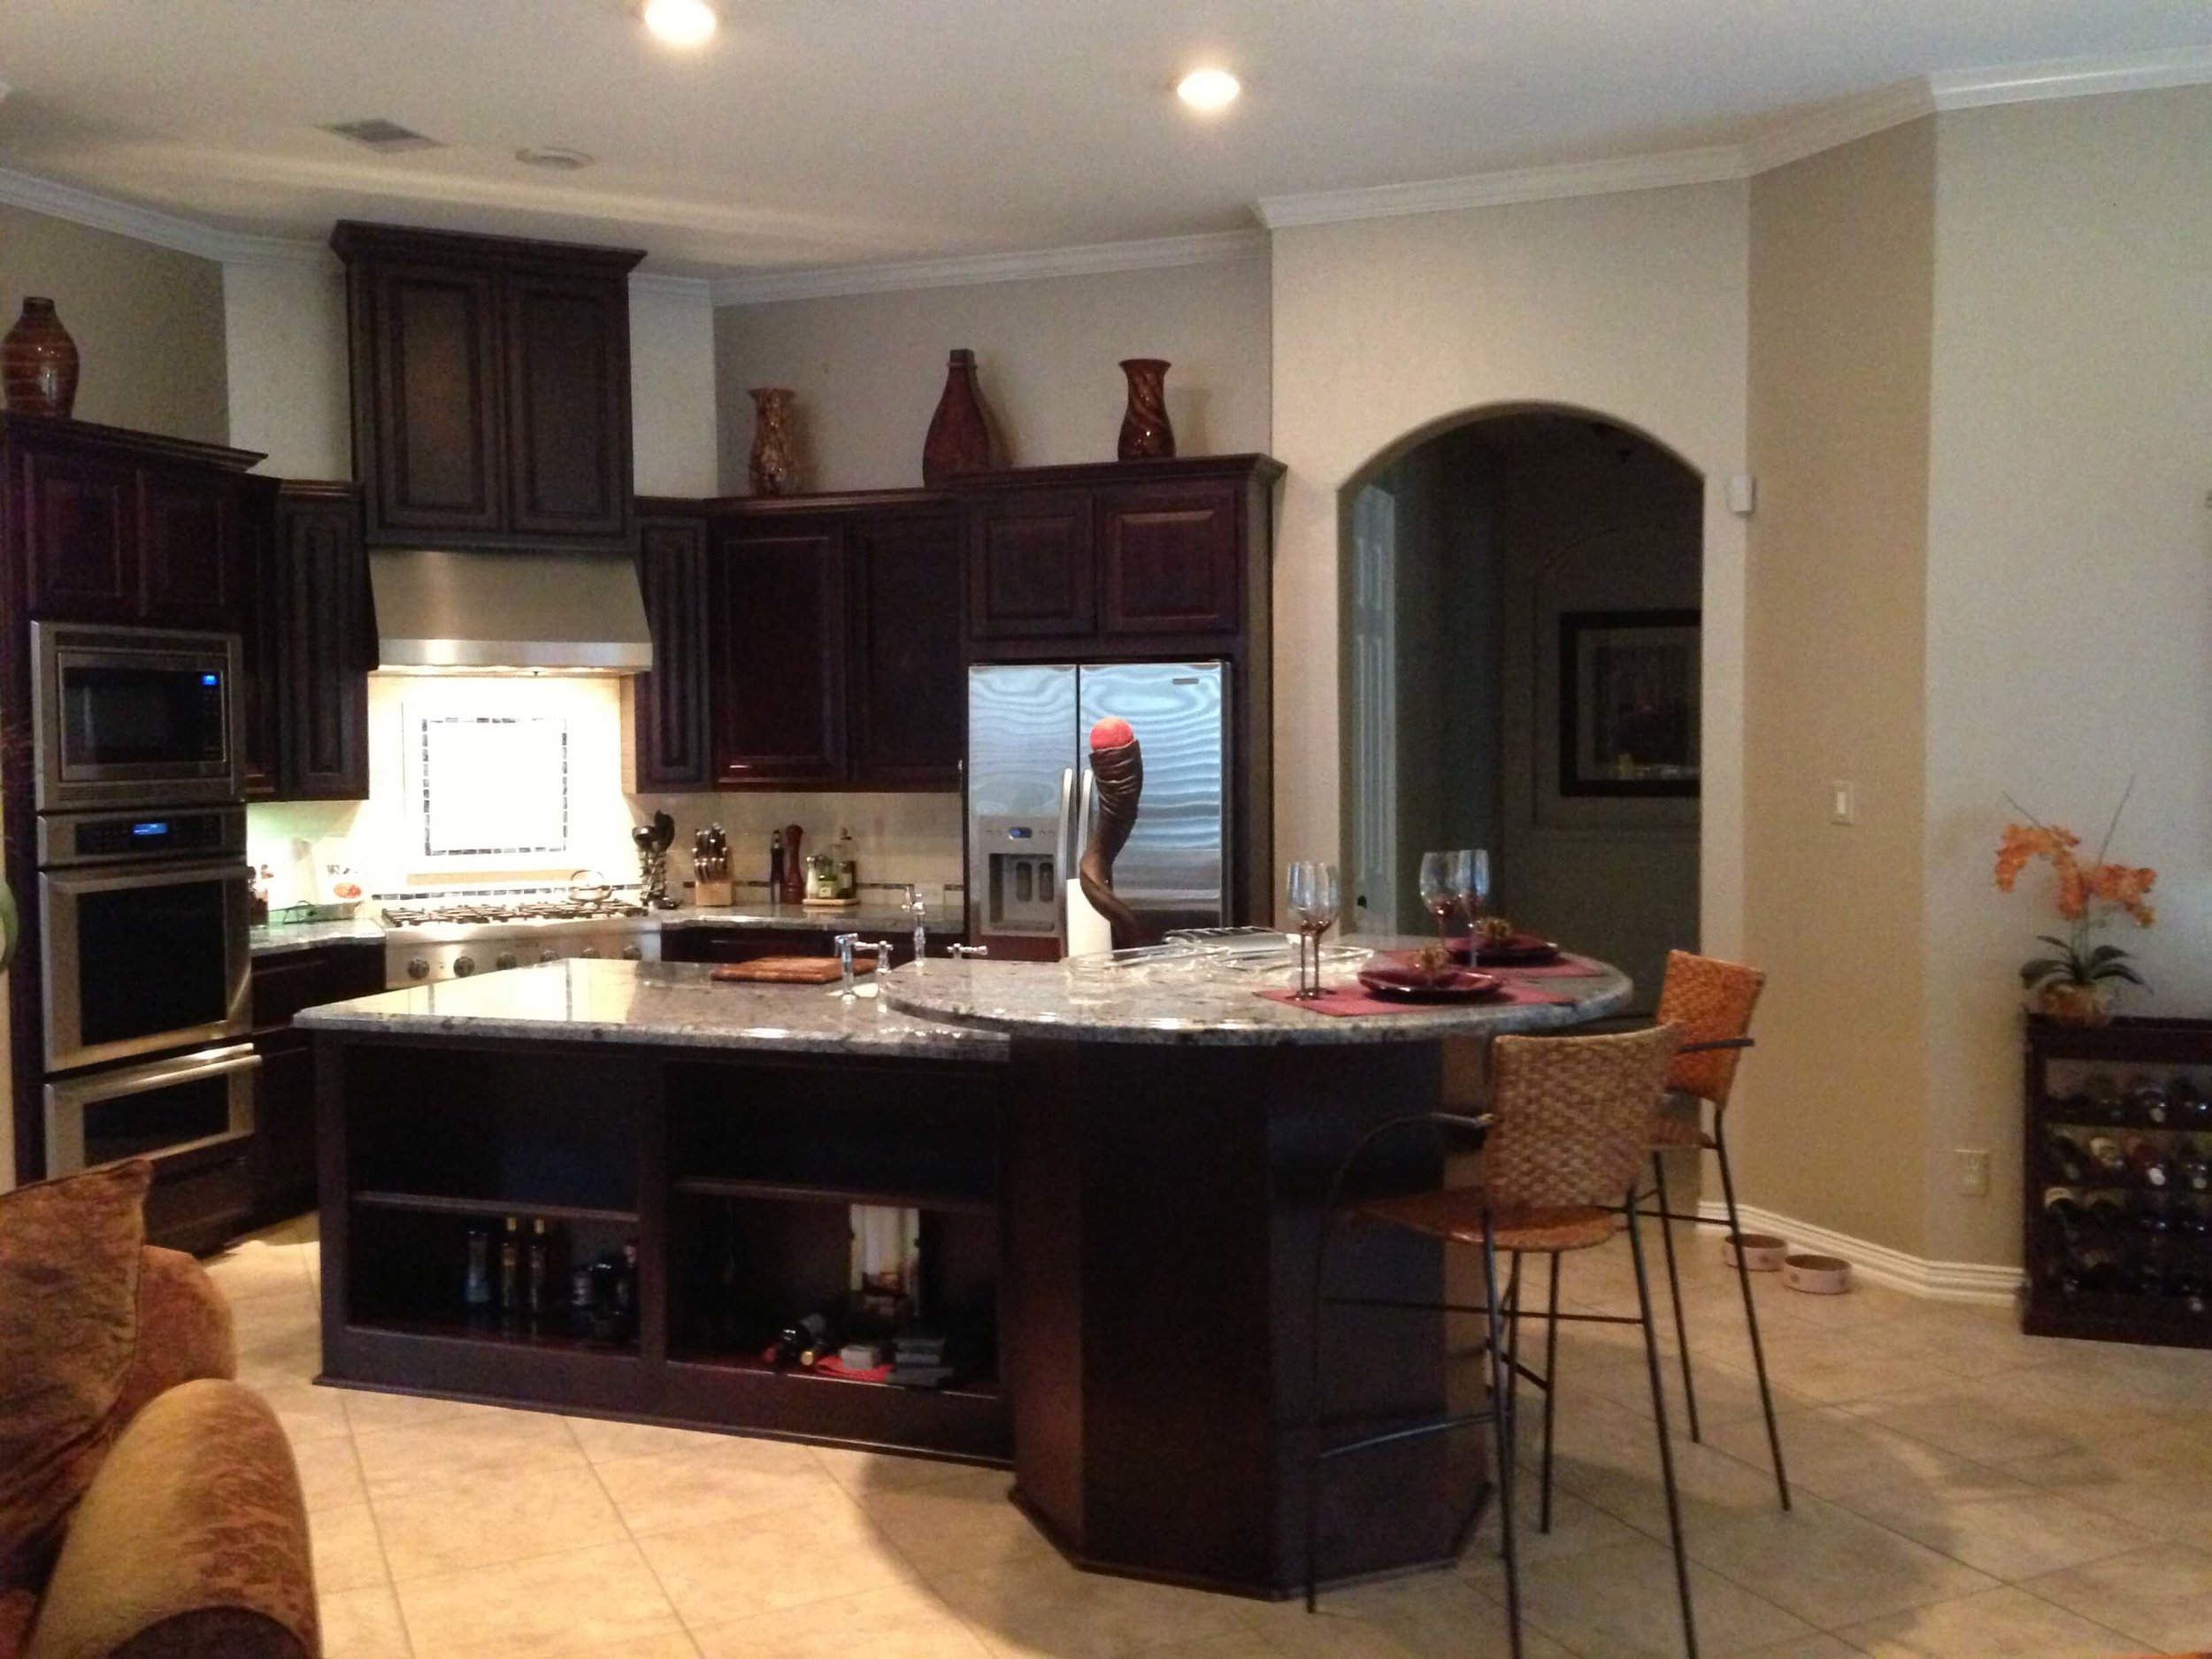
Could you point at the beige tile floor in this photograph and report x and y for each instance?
(1964, 1493)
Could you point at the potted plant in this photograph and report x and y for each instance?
(2077, 985)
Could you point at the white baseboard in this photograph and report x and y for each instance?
(1986, 1282)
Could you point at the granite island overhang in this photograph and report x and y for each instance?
(1118, 1193)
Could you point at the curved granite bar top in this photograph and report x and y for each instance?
(667, 1004)
(1057, 1001)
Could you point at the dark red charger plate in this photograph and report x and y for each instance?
(1394, 978)
(1523, 951)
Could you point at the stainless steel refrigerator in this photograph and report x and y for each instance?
(1030, 798)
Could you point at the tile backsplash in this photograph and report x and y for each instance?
(900, 838)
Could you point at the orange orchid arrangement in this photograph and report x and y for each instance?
(2075, 983)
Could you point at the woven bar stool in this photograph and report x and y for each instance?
(1567, 1130)
(1712, 1001)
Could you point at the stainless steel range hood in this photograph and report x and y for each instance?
(526, 613)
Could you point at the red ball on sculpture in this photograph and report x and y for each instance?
(1111, 733)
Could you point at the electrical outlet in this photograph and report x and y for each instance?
(1843, 803)
(1973, 1172)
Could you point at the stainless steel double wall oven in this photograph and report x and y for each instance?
(144, 893)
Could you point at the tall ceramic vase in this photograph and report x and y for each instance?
(959, 438)
(38, 362)
(773, 469)
(1145, 433)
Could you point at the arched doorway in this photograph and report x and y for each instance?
(1521, 632)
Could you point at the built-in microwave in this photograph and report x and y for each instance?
(135, 716)
(143, 924)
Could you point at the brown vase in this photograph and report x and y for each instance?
(2067, 1003)
(38, 364)
(773, 469)
(959, 438)
(1145, 433)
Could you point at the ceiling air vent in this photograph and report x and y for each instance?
(380, 135)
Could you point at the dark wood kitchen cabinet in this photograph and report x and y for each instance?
(833, 638)
(109, 526)
(1146, 557)
(283, 1160)
(673, 746)
(311, 646)
(777, 626)
(491, 387)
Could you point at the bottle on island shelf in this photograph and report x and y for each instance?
(476, 1284)
(510, 1271)
(538, 1287)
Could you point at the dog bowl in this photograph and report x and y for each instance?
(1762, 1252)
(1818, 1275)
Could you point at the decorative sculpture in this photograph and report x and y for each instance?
(1118, 764)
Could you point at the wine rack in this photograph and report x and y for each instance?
(2117, 1196)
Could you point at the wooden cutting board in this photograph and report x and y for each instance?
(788, 969)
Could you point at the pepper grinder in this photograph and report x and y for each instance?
(793, 865)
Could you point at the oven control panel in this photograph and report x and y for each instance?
(86, 837)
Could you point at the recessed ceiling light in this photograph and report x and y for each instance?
(1209, 90)
(553, 157)
(679, 22)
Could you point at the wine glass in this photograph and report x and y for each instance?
(1314, 896)
(1470, 871)
(1441, 884)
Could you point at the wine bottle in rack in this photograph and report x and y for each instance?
(2149, 1162)
(2105, 1155)
(2063, 1206)
(2068, 1161)
(2147, 1103)
(2192, 1170)
(2100, 1100)
(2192, 1109)
(2193, 1222)
(2106, 1210)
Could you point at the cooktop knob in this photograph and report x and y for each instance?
(549, 955)
(589, 950)
(463, 966)
(632, 953)
(417, 968)
(505, 960)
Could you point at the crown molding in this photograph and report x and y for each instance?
(1828, 126)
(2073, 78)
(1707, 165)
(145, 224)
(1095, 258)
(698, 289)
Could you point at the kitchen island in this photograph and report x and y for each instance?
(1118, 1188)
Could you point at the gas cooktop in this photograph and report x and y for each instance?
(487, 913)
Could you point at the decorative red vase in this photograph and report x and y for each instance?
(959, 438)
(38, 364)
(772, 467)
(1145, 433)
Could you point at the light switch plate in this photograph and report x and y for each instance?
(1973, 1172)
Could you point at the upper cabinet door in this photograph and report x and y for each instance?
(428, 421)
(568, 406)
(778, 628)
(79, 528)
(1030, 571)
(330, 645)
(908, 704)
(189, 571)
(671, 739)
(1171, 558)
(261, 604)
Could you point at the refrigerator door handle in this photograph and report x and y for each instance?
(1062, 860)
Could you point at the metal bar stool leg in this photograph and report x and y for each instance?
(1502, 1425)
(1551, 1384)
(1513, 1353)
(1659, 1415)
(1674, 1293)
(1751, 1314)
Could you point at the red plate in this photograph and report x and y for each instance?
(1523, 951)
(1396, 978)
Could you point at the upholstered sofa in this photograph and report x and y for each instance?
(150, 1507)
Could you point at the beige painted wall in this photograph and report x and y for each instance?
(2070, 617)
(148, 321)
(1632, 306)
(1841, 314)
(869, 368)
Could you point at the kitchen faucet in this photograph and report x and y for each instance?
(846, 945)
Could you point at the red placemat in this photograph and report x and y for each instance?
(1341, 999)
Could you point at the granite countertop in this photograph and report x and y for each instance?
(1152, 1006)
(673, 1004)
(278, 938)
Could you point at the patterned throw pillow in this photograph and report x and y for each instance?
(69, 1265)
